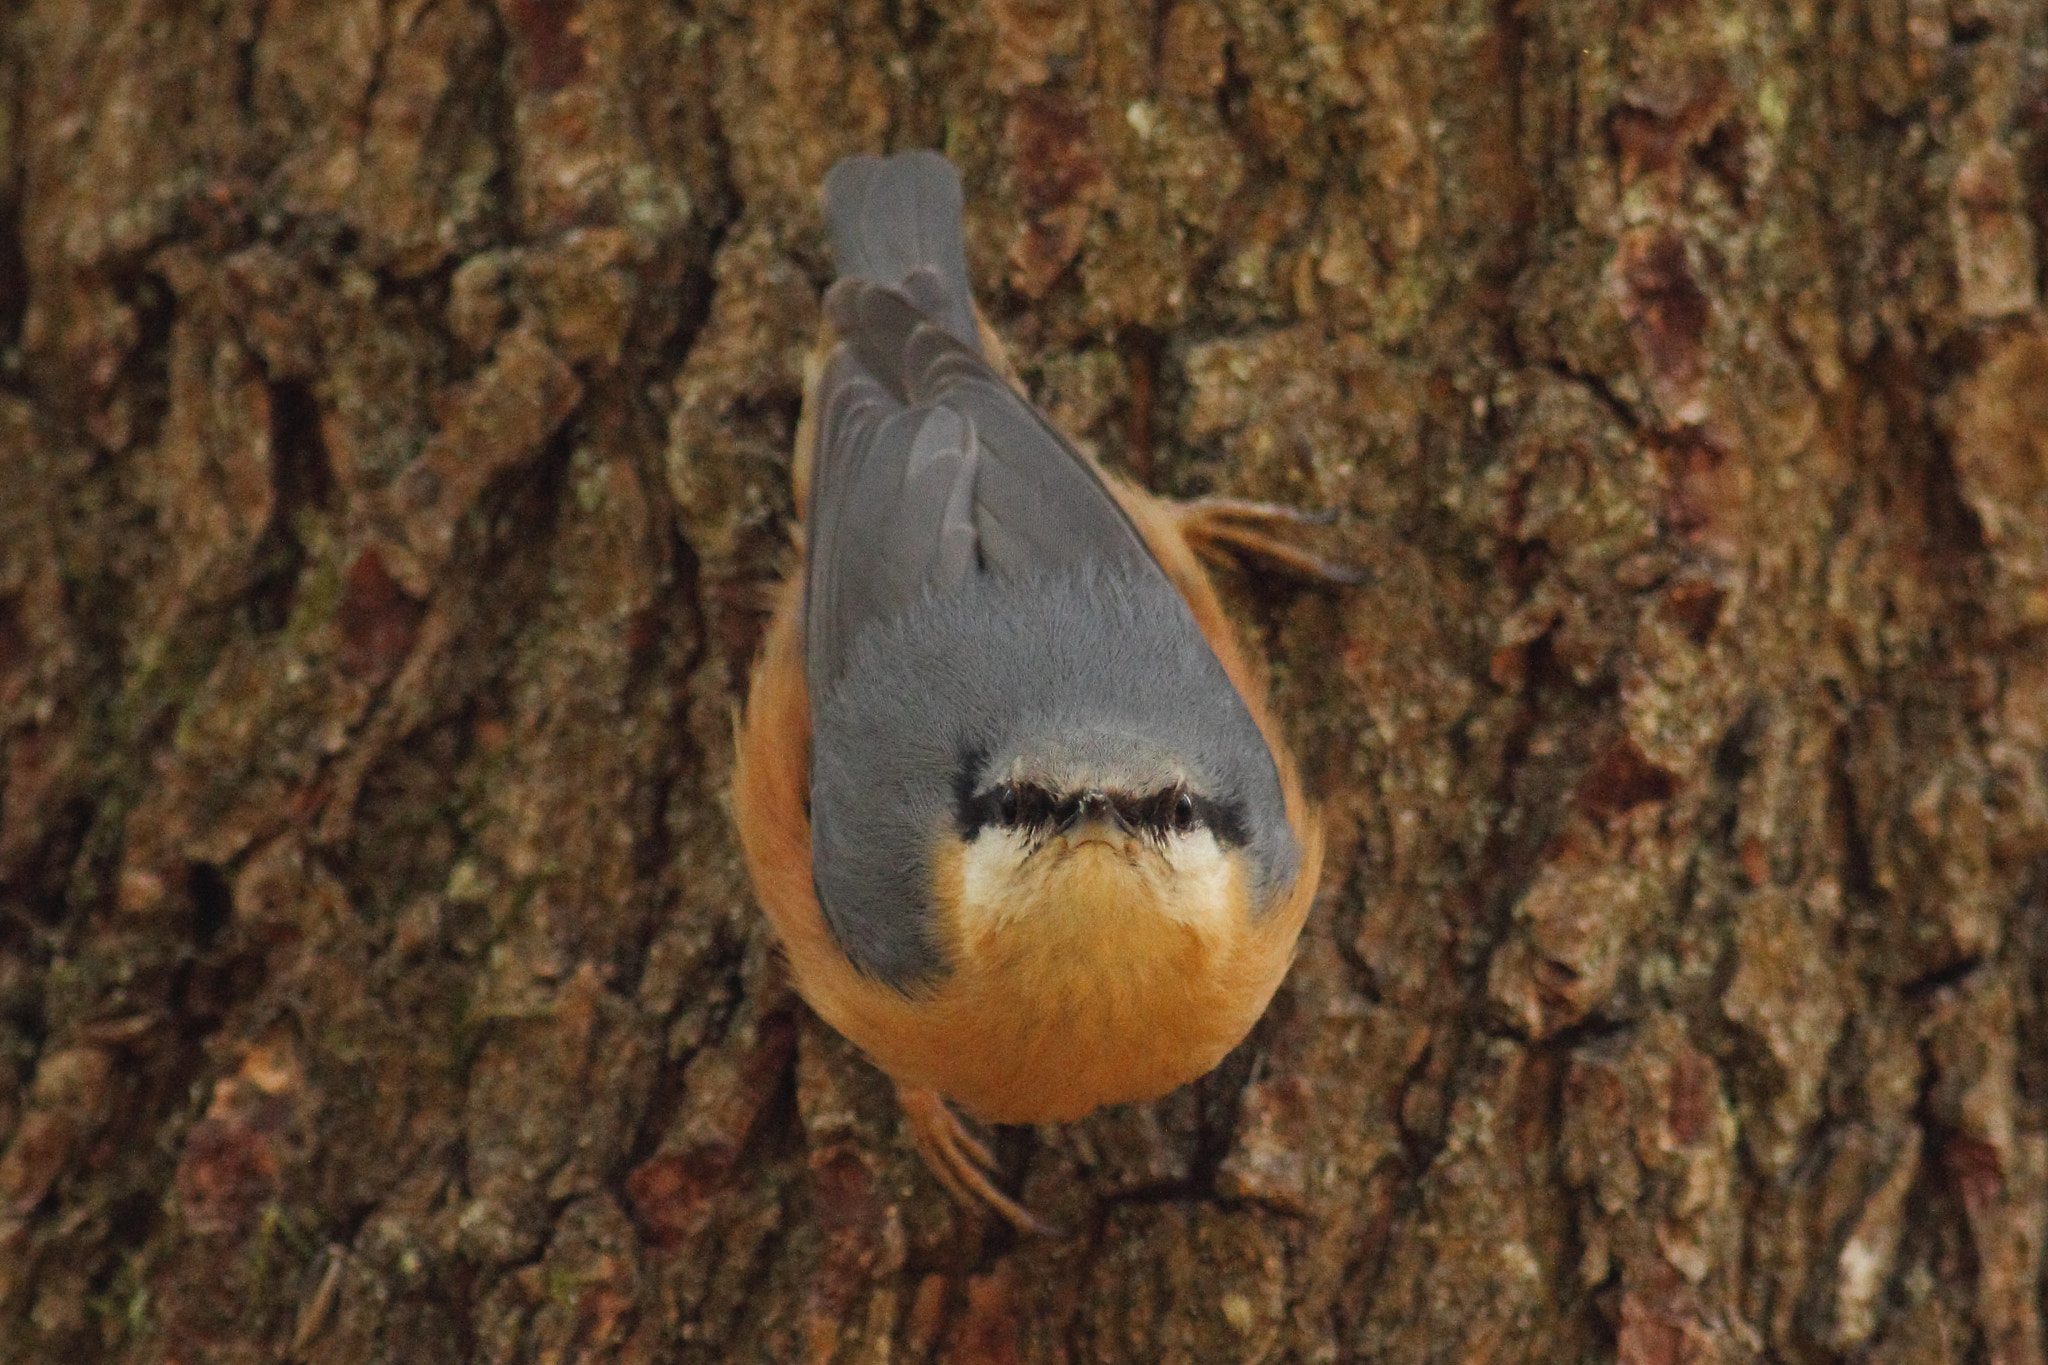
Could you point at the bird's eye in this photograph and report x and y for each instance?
(1183, 811)
(1006, 803)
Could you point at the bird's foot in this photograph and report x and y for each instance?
(1222, 529)
(958, 1158)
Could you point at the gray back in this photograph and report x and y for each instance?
(972, 589)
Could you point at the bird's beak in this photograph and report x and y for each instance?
(1095, 816)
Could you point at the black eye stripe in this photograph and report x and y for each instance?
(1037, 807)
(1029, 807)
(968, 809)
(1224, 819)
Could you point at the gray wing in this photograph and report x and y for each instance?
(891, 510)
(928, 465)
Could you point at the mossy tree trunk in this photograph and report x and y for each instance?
(395, 405)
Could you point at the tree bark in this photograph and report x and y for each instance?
(395, 409)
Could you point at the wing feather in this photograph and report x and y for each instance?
(928, 465)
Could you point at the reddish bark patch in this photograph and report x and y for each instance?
(844, 1189)
(13, 647)
(1689, 1104)
(550, 41)
(1706, 492)
(1645, 142)
(1974, 1167)
(1623, 779)
(850, 1214)
(1059, 181)
(1756, 861)
(1666, 310)
(1048, 137)
(1652, 1335)
(378, 621)
(1694, 606)
(988, 1329)
(229, 1170)
(1660, 123)
(671, 1195)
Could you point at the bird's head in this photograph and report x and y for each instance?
(1097, 827)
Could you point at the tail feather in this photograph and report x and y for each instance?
(892, 216)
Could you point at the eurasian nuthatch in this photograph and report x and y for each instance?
(1007, 788)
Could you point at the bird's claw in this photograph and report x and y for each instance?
(1225, 528)
(959, 1159)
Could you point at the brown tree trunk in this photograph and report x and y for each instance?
(395, 406)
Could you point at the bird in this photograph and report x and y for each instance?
(1008, 789)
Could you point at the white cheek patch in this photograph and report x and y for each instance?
(994, 878)
(1201, 874)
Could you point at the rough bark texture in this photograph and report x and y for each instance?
(395, 404)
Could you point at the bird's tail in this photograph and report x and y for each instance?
(895, 222)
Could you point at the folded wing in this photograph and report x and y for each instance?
(928, 465)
